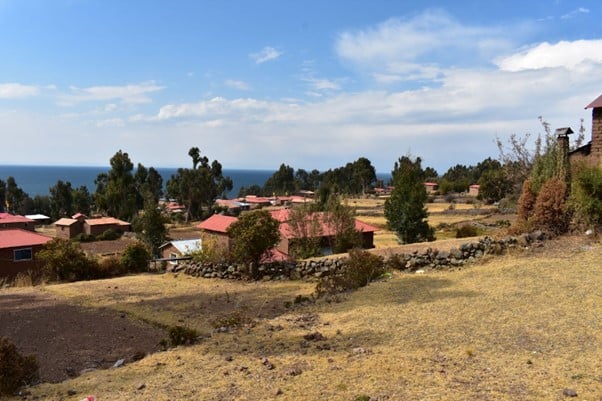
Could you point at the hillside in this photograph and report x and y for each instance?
(525, 326)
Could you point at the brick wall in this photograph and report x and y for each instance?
(596, 152)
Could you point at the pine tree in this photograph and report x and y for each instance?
(405, 210)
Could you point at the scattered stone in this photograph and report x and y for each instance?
(228, 358)
(266, 362)
(71, 392)
(569, 392)
(296, 371)
(140, 386)
(119, 363)
(316, 336)
(278, 392)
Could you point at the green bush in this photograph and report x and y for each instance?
(359, 269)
(180, 335)
(64, 260)
(16, 370)
(586, 196)
(395, 262)
(109, 235)
(135, 258)
(83, 237)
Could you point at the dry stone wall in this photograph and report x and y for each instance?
(430, 258)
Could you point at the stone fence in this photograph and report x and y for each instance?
(430, 258)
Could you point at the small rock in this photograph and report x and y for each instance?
(71, 392)
(119, 363)
(228, 358)
(569, 392)
(140, 386)
(278, 392)
(317, 336)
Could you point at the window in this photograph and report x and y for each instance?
(22, 254)
(173, 256)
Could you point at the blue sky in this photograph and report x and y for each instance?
(313, 84)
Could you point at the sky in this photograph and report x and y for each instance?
(312, 84)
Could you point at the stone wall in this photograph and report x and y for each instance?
(430, 258)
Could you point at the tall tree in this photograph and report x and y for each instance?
(150, 226)
(405, 210)
(364, 173)
(253, 235)
(16, 200)
(282, 182)
(116, 192)
(199, 187)
(61, 200)
(306, 229)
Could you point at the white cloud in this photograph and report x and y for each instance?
(236, 84)
(129, 94)
(562, 54)
(266, 54)
(16, 91)
(416, 48)
(574, 13)
(321, 84)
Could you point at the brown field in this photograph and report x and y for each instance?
(515, 327)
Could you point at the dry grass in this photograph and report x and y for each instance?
(514, 328)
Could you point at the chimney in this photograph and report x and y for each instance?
(562, 163)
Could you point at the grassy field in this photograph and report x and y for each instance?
(517, 327)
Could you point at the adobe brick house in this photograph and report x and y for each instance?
(217, 226)
(591, 153)
(8, 220)
(18, 249)
(67, 228)
(180, 248)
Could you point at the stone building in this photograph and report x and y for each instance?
(591, 153)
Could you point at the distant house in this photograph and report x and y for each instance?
(288, 236)
(431, 187)
(18, 249)
(8, 220)
(217, 226)
(473, 190)
(39, 219)
(79, 224)
(179, 249)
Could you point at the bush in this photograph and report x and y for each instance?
(110, 267)
(395, 262)
(109, 235)
(135, 258)
(65, 261)
(526, 202)
(360, 268)
(466, 230)
(551, 212)
(16, 370)
(83, 237)
(586, 197)
(180, 335)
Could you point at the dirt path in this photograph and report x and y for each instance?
(67, 339)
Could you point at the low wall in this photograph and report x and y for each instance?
(430, 258)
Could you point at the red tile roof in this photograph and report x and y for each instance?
(595, 104)
(14, 218)
(16, 237)
(65, 222)
(217, 223)
(326, 228)
(101, 221)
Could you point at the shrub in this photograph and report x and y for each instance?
(109, 235)
(466, 230)
(360, 268)
(135, 258)
(16, 370)
(237, 318)
(526, 202)
(395, 262)
(65, 261)
(551, 212)
(83, 237)
(110, 267)
(180, 335)
(586, 197)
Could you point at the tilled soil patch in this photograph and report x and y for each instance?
(68, 339)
